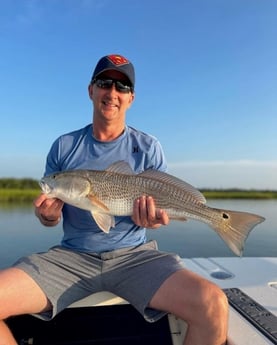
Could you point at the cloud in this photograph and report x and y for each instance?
(245, 174)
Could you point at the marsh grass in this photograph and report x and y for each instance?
(239, 194)
(11, 195)
(19, 195)
(14, 190)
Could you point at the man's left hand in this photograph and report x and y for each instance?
(146, 214)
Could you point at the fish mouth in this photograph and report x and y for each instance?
(46, 189)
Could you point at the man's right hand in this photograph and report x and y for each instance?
(48, 210)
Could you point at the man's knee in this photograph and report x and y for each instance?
(221, 300)
(210, 302)
(216, 302)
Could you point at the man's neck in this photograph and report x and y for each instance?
(107, 133)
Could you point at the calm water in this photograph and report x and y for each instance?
(22, 234)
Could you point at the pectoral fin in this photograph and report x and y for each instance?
(104, 221)
(96, 202)
(101, 214)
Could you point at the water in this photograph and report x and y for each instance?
(22, 234)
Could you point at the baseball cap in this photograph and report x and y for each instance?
(115, 62)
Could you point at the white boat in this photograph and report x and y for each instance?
(103, 318)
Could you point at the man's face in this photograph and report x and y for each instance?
(109, 102)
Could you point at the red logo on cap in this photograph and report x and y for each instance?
(118, 60)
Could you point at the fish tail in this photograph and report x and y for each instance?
(235, 228)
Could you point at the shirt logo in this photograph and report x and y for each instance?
(135, 149)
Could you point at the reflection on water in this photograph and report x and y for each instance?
(22, 234)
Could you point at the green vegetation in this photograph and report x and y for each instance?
(239, 194)
(18, 190)
(18, 195)
(26, 190)
(20, 183)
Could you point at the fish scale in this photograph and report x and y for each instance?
(119, 195)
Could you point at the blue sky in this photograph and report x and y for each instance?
(206, 81)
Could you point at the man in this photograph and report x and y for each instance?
(89, 260)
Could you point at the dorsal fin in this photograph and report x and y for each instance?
(121, 167)
(174, 181)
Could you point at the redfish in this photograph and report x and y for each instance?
(111, 192)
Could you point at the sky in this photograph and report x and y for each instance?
(206, 81)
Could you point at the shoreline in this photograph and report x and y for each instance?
(17, 195)
(239, 194)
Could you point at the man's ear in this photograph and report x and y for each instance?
(90, 91)
(132, 97)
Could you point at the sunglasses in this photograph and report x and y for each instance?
(108, 83)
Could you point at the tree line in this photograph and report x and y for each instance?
(18, 183)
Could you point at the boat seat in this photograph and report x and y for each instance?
(102, 298)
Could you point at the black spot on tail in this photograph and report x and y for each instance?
(225, 216)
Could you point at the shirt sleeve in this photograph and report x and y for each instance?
(52, 161)
(157, 157)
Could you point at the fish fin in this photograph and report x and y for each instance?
(174, 181)
(96, 202)
(104, 221)
(236, 228)
(121, 167)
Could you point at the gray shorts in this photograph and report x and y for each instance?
(133, 273)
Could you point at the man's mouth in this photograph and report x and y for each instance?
(108, 104)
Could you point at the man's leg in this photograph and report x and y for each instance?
(197, 301)
(6, 337)
(19, 294)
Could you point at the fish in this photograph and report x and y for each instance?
(112, 192)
